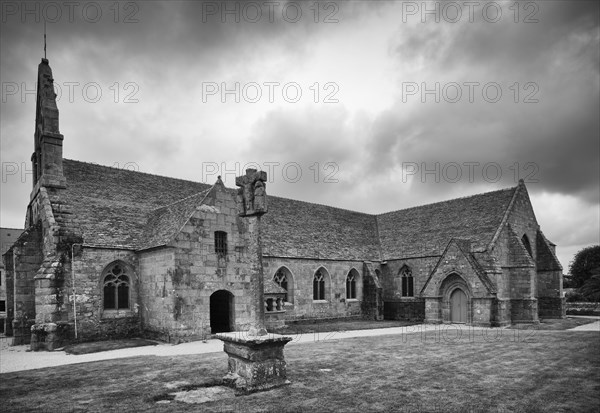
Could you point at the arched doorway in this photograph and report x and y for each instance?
(221, 312)
(458, 306)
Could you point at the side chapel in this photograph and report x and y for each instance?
(113, 253)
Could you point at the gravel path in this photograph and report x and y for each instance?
(18, 358)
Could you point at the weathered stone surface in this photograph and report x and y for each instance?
(255, 362)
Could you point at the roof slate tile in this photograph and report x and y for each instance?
(129, 209)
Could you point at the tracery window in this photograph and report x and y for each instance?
(407, 282)
(319, 286)
(282, 280)
(116, 288)
(351, 285)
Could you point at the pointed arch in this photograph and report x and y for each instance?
(321, 284)
(116, 285)
(285, 279)
(408, 284)
(456, 296)
(353, 284)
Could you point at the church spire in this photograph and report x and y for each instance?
(47, 157)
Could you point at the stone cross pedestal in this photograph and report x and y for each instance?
(256, 359)
(255, 362)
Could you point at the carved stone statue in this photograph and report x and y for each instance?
(251, 196)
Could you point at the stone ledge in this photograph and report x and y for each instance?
(244, 337)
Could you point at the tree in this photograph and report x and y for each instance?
(585, 264)
(591, 289)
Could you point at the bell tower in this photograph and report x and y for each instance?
(47, 158)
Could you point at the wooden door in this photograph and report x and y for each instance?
(458, 306)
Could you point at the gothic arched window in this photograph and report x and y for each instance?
(116, 288)
(407, 282)
(319, 286)
(283, 278)
(351, 279)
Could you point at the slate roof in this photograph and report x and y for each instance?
(426, 230)
(112, 206)
(128, 209)
(7, 238)
(301, 229)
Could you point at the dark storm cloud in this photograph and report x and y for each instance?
(560, 133)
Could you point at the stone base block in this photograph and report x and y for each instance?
(524, 311)
(21, 331)
(256, 363)
(49, 336)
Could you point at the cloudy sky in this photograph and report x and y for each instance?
(367, 106)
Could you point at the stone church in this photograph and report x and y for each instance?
(108, 252)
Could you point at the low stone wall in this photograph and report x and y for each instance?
(583, 308)
(413, 310)
(108, 329)
(551, 307)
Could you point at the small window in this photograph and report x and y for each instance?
(351, 285)
(2, 306)
(526, 244)
(407, 282)
(221, 243)
(318, 286)
(281, 279)
(116, 289)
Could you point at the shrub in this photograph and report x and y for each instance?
(575, 297)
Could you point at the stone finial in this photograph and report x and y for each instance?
(251, 195)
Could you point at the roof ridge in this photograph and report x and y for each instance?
(450, 200)
(324, 205)
(293, 199)
(137, 172)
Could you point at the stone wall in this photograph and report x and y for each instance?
(549, 281)
(517, 282)
(412, 309)
(199, 271)
(397, 307)
(302, 305)
(522, 219)
(392, 282)
(93, 321)
(159, 307)
(582, 308)
(551, 307)
(178, 280)
(21, 270)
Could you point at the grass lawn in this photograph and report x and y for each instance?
(556, 323)
(512, 371)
